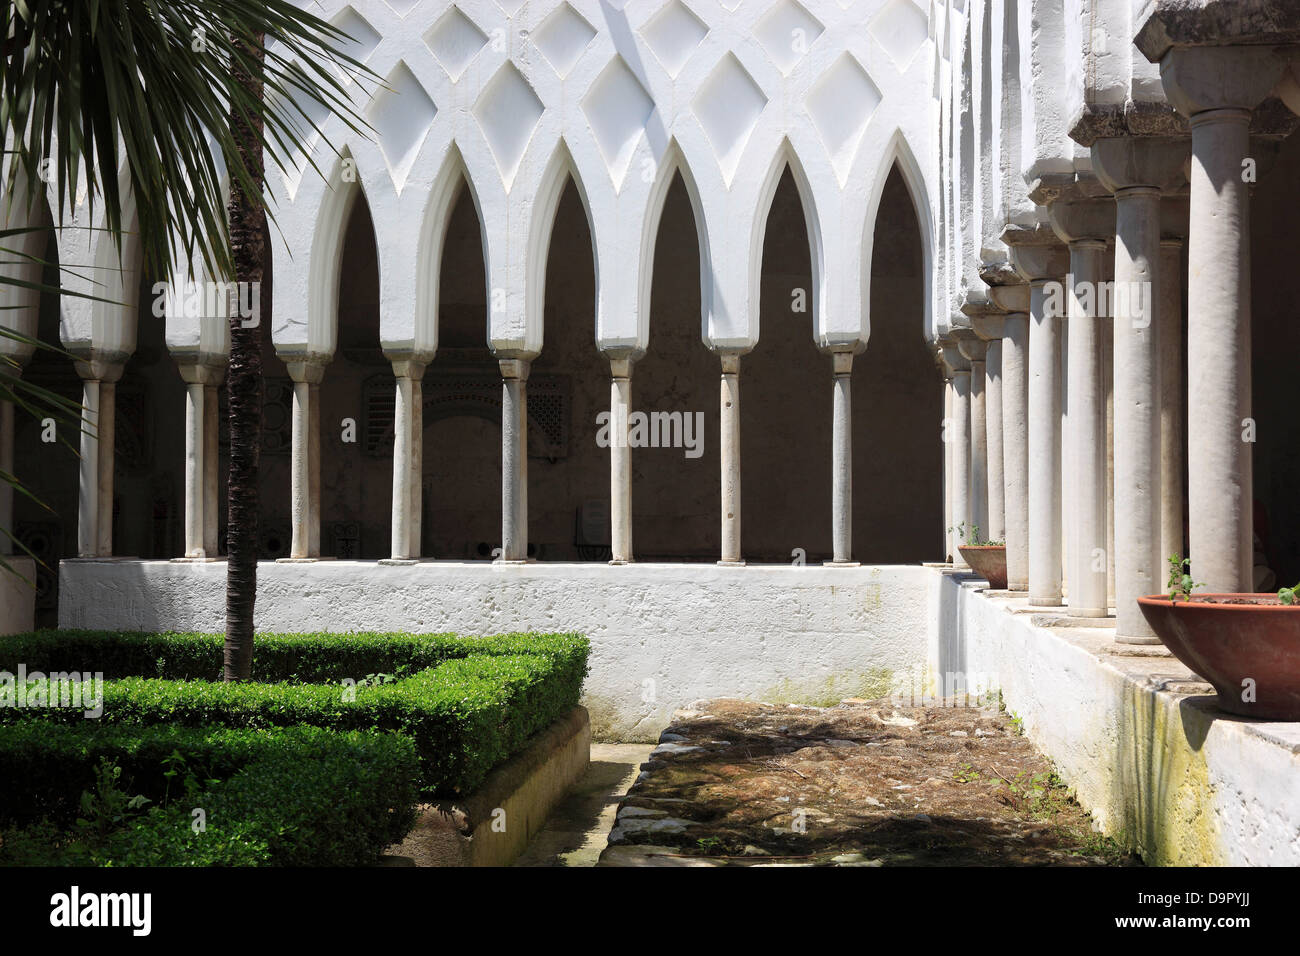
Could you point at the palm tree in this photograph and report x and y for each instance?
(175, 89)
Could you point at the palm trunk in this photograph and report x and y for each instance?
(244, 382)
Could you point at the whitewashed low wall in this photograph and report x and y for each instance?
(661, 635)
(1137, 737)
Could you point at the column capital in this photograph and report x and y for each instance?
(94, 365)
(1165, 24)
(1201, 79)
(1153, 162)
(1041, 263)
(952, 355)
(842, 362)
(1013, 297)
(515, 368)
(1076, 220)
(308, 370)
(730, 361)
(972, 348)
(620, 368)
(195, 373)
(988, 326)
(412, 368)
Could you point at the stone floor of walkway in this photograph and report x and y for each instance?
(578, 828)
(864, 783)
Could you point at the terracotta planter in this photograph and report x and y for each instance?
(989, 561)
(1254, 637)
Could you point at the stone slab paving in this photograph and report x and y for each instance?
(864, 783)
(578, 828)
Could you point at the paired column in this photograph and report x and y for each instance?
(1085, 224)
(201, 504)
(95, 484)
(620, 461)
(842, 459)
(1041, 264)
(408, 457)
(514, 459)
(1217, 88)
(1169, 315)
(974, 350)
(1137, 169)
(959, 443)
(989, 328)
(729, 410)
(304, 472)
(1015, 429)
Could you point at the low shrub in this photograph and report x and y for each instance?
(301, 658)
(292, 797)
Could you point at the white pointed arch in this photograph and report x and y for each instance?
(560, 169)
(23, 261)
(899, 154)
(672, 163)
(445, 192)
(786, 157)
(326, 257)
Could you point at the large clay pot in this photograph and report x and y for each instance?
(1231, 638)
(989, 561)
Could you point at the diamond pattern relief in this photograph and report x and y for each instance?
(673, 34)
(786, 32)
(360, 40)
(401, 115)
(841, 104)
(617, 107)
(728, 106)
(507, 111)
(454, 41)
(562, 38)
(900, 27)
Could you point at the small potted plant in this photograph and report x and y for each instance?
(988, 559)
(1246, 645)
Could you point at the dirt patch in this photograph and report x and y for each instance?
(863, 783)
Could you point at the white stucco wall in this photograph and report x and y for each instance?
(662, 635)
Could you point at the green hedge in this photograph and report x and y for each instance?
(292, 797)
(303, 658)
(465, 715)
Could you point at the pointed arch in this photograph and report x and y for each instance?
(327, 252)
(672, 163)
(452, 179)
(899, 154)
(559, 170)
(786, 157)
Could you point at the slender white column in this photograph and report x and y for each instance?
(105, 459)
(842, 459)
(1217, 87)
(620, 462)
(1108, 390)
(991, 328)
(6, 465)
(948, 523)
(88, 479)
(974, 350)
(729, 410)
(1086, 436)
(407, 426)
(304, 486)
(514, 459)
(195, 467)
(211, 499)
(1170, 337)
(1015, 445)
(1044, 450)
(959, 439)
(1218, 354)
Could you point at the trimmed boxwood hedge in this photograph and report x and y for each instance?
(465, 715)
(289, 797)
(305, 658)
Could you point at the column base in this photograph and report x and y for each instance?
(188, 560)
(515, 561)
(618, 563)
(1139, 641)
(304, 560)
(731, 564)
(841, 564)
(396, 562)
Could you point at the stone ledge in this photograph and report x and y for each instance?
(1147, 751)
(526, 787)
